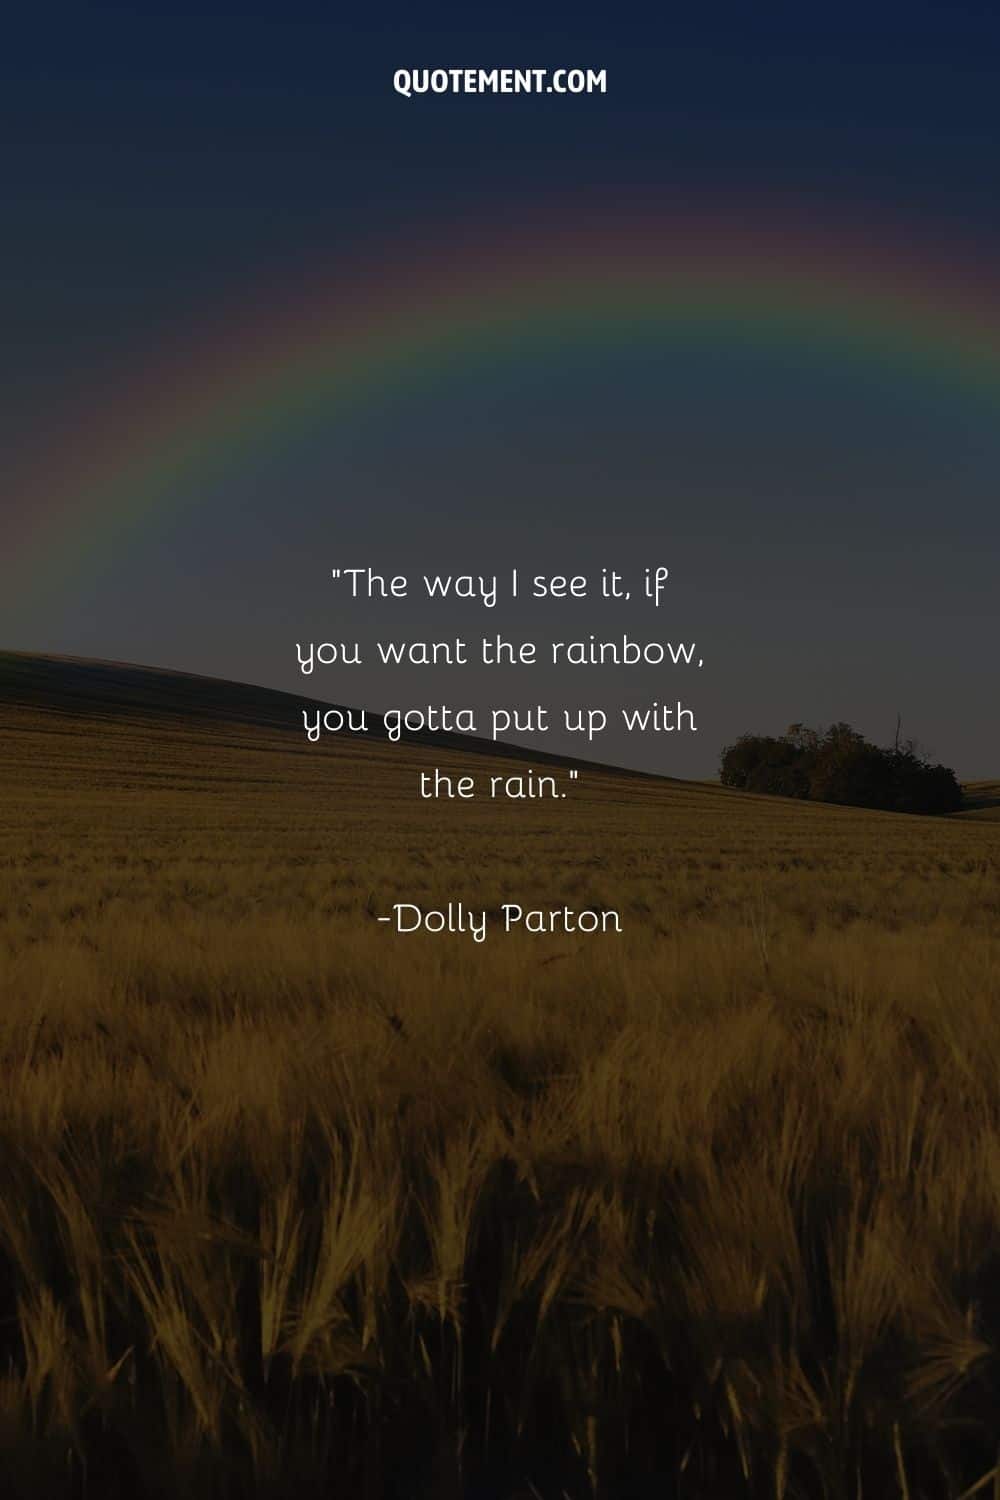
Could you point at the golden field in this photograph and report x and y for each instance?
(293, 1206)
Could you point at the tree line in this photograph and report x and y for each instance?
(837, 764)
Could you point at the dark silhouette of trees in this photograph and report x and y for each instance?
(839, 765)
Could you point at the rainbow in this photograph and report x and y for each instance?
(864, 297)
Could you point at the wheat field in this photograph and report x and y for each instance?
(292, 1206)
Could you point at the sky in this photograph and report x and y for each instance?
(176, 177)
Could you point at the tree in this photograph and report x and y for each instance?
(837, 764)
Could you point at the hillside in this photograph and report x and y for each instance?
(109, 693)
(104, 761)
(294, 1203)
(127, 710)
(982, 800)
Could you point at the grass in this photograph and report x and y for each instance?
(292, 1206)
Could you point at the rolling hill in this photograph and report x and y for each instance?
(44, 694)
(103, 760)
(293, 1203)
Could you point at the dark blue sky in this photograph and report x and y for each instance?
(834, 538)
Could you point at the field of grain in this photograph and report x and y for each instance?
(293, 1206)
